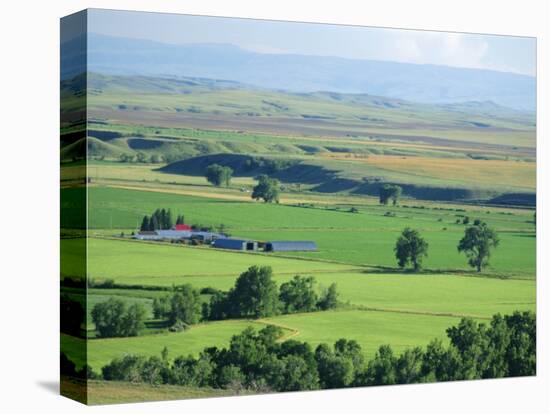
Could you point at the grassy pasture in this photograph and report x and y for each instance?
(515, 256)
(145, 99)
(364, 238)
(432, 293)
(190, 342)
(370, 328)
(131, 261)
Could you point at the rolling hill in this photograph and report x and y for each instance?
(299, 73)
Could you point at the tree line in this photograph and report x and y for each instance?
(254, 295)
(259, 362)
(161, 219)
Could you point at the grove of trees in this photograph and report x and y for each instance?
(410, 248)
(390, 192)
(113, 318)
(257, 361)
(255, 295)
(219, 175)
(161, 219)
(267, 189)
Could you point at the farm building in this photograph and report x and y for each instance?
(182, 227)
(235, 244)
(204, 236)
(291, 246)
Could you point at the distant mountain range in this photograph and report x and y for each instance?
(301, 73)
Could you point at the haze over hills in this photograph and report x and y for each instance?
(301, 73)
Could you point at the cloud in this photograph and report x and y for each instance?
(452, 49)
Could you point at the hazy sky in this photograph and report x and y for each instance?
(503, 53)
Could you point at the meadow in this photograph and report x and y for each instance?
(369, 328)
(364, 238)
(434, 293)
(380, 304)
(338, 147)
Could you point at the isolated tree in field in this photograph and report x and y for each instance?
(267, 189)
(410, 248)
(477, 243)
(390, 192)
(218, 175)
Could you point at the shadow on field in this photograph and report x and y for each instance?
(393, 270)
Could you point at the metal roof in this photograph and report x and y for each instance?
(291, 245)
(237, 244)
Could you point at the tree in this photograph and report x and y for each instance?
(145, 226)
(477, 244)
(180, 219)
(408, 368)
(154, 223)
(193, 372)
(126, 158)
(329, 299)
(440, 364)
(521, 352)
(267, 189)
(381, 369)
(298, 295)
(169, 219)
(218, 175)
(112, 318)
(133, 320)
(410, 248)
(255, 293)
(185, 305)
(141, 157)
(161, 307)
(231, 377)
(294, 374)
(390, 192)
(335, 371)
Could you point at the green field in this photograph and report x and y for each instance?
(365, 238)
(370, 328)
(191, 342)
(452, 161)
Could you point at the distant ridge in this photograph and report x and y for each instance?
(300, 73)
